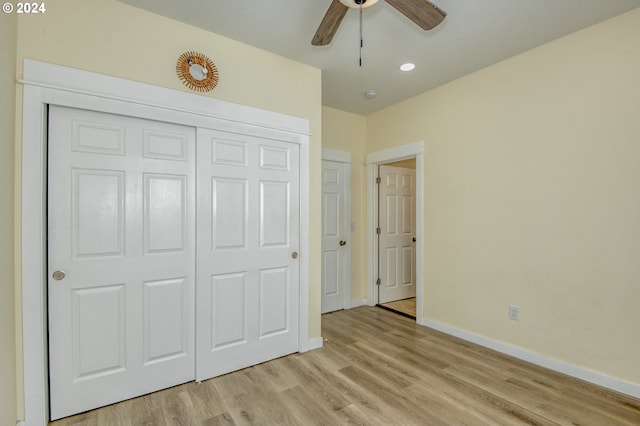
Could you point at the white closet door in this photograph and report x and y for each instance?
(121, 258)
(334, 236)
(248, 243)
(398, 228)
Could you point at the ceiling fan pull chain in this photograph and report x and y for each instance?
(361, 39)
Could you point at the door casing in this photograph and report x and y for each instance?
(374, 159)
(46, 84)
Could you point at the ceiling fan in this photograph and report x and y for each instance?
(424, 13)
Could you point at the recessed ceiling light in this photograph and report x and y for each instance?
(407, 67)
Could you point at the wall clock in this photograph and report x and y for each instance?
(197, 72)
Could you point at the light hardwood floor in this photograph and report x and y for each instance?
(404, 306)
(379, 368)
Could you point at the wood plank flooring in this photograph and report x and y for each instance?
(404, 306)
(379, 368)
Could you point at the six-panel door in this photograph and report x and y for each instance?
(248, 243)
(121, 222)
(334, 236)
(398, 228)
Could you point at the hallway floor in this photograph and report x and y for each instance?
(406, 307)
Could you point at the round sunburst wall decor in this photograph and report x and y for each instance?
(197, 72)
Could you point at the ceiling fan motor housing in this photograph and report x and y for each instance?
(422, 12)
(358, 3)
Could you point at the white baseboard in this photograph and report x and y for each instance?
(21, 423)
(618, 385)
(312, 344)
(356, 303)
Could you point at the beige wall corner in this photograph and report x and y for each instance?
(531, 198)
(344, 131)
(8, 35)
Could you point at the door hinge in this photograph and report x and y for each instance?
(378, 230)
(378, 180)
(379, 281)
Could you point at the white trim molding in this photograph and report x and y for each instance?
(358, 303)
(313, 344)
(585, 374)
(403, 152)
(71, 80)
(397, 153)
(46, 84)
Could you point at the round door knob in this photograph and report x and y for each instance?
(343, 243)
(58, 275)
(294, 255)
(414, 239)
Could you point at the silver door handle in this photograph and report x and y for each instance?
(58, 275)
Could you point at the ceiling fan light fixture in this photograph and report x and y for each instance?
(409, 66)
(356, 4)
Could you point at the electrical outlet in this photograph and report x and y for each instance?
(514, 312)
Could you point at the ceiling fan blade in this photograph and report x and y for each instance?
(330, 24)
(424, 13)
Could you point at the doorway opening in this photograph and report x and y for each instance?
(404, 307)
(395, 180)
(397, 236)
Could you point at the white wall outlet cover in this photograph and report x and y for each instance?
(514, 312)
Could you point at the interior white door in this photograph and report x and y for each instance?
(334, 236)
(397, 230)
(121, 218)
(248, 241)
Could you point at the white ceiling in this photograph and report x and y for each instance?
(475, 34)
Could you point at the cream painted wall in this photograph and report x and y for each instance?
(112, 38)
(8, 33)
(532, 197)
(407, 164)
(345, 131)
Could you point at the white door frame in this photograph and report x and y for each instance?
(375, 159)
(344, 157)
(45, 84)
